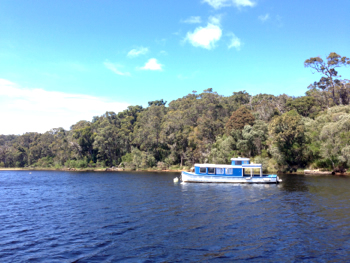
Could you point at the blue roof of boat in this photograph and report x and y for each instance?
(227, 165)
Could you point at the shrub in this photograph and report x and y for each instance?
(162, 165)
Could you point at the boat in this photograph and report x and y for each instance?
(239, 171)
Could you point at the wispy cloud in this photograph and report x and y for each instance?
(137, 52)
(192, 20)
(39, 110)
(152, 64)
(217, 4)
(206, 37)
(114, 68)
(235, 42)
(263, 18)
(216, 20)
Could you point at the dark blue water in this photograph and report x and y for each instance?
(145, 217)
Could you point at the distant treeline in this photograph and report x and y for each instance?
(281, 132)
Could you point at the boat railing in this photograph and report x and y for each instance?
(251, 167)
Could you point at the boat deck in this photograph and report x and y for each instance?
(195, 178)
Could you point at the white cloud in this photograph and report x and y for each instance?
(192, 20)
(205, 37)
(217, 4)
(235, 42)
(263, 18)
(114, 68)
(37, 110)
(216, 20)
(137, 52)
(152, 64)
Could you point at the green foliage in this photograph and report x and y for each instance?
(148, 130)
(267, 106)
(264, 161)
(221, 151)
(162, 166)
(138, 160)
(282, 132)
(253, 139)
(82, 163)
(157, 103)
(288, 141)
(100, 164)
(329, 134)
(305, 106)
(239, 119)
(127, 158)
(334, 90)
(46, 162)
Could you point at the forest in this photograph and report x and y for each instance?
(284, 133)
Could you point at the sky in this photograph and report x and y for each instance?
(64, 61)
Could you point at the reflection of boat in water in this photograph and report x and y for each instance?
(240, 171)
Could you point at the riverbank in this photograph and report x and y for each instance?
(90, 169)
(114, 169)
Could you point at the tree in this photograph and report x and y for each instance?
(330, 81)
(222, 150)
(329, 137)
(175, 134)
(305, 106)
(148, 129)
(266, 106)
(253, 138)
(107, 144)
(157, 103)
(85, 138)
(138, 159)
(288, 140)
(239, 119)
(241, 97)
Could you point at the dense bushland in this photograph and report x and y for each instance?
(282, 132)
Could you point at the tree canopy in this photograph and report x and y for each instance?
(331, 84)
(283, 132)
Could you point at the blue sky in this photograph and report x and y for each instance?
(63, 61)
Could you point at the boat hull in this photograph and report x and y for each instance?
(195, 178)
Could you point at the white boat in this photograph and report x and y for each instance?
(240, 171)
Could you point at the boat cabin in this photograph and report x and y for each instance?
(238, 167)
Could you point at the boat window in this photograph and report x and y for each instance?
(238, 162)
(211, 170)
(203, 170)
(220, 170)
(229, 171)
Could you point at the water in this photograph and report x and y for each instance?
(145, 217)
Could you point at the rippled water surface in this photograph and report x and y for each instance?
(146, 217)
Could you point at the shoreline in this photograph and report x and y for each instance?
(144, 170)
(87, 169)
